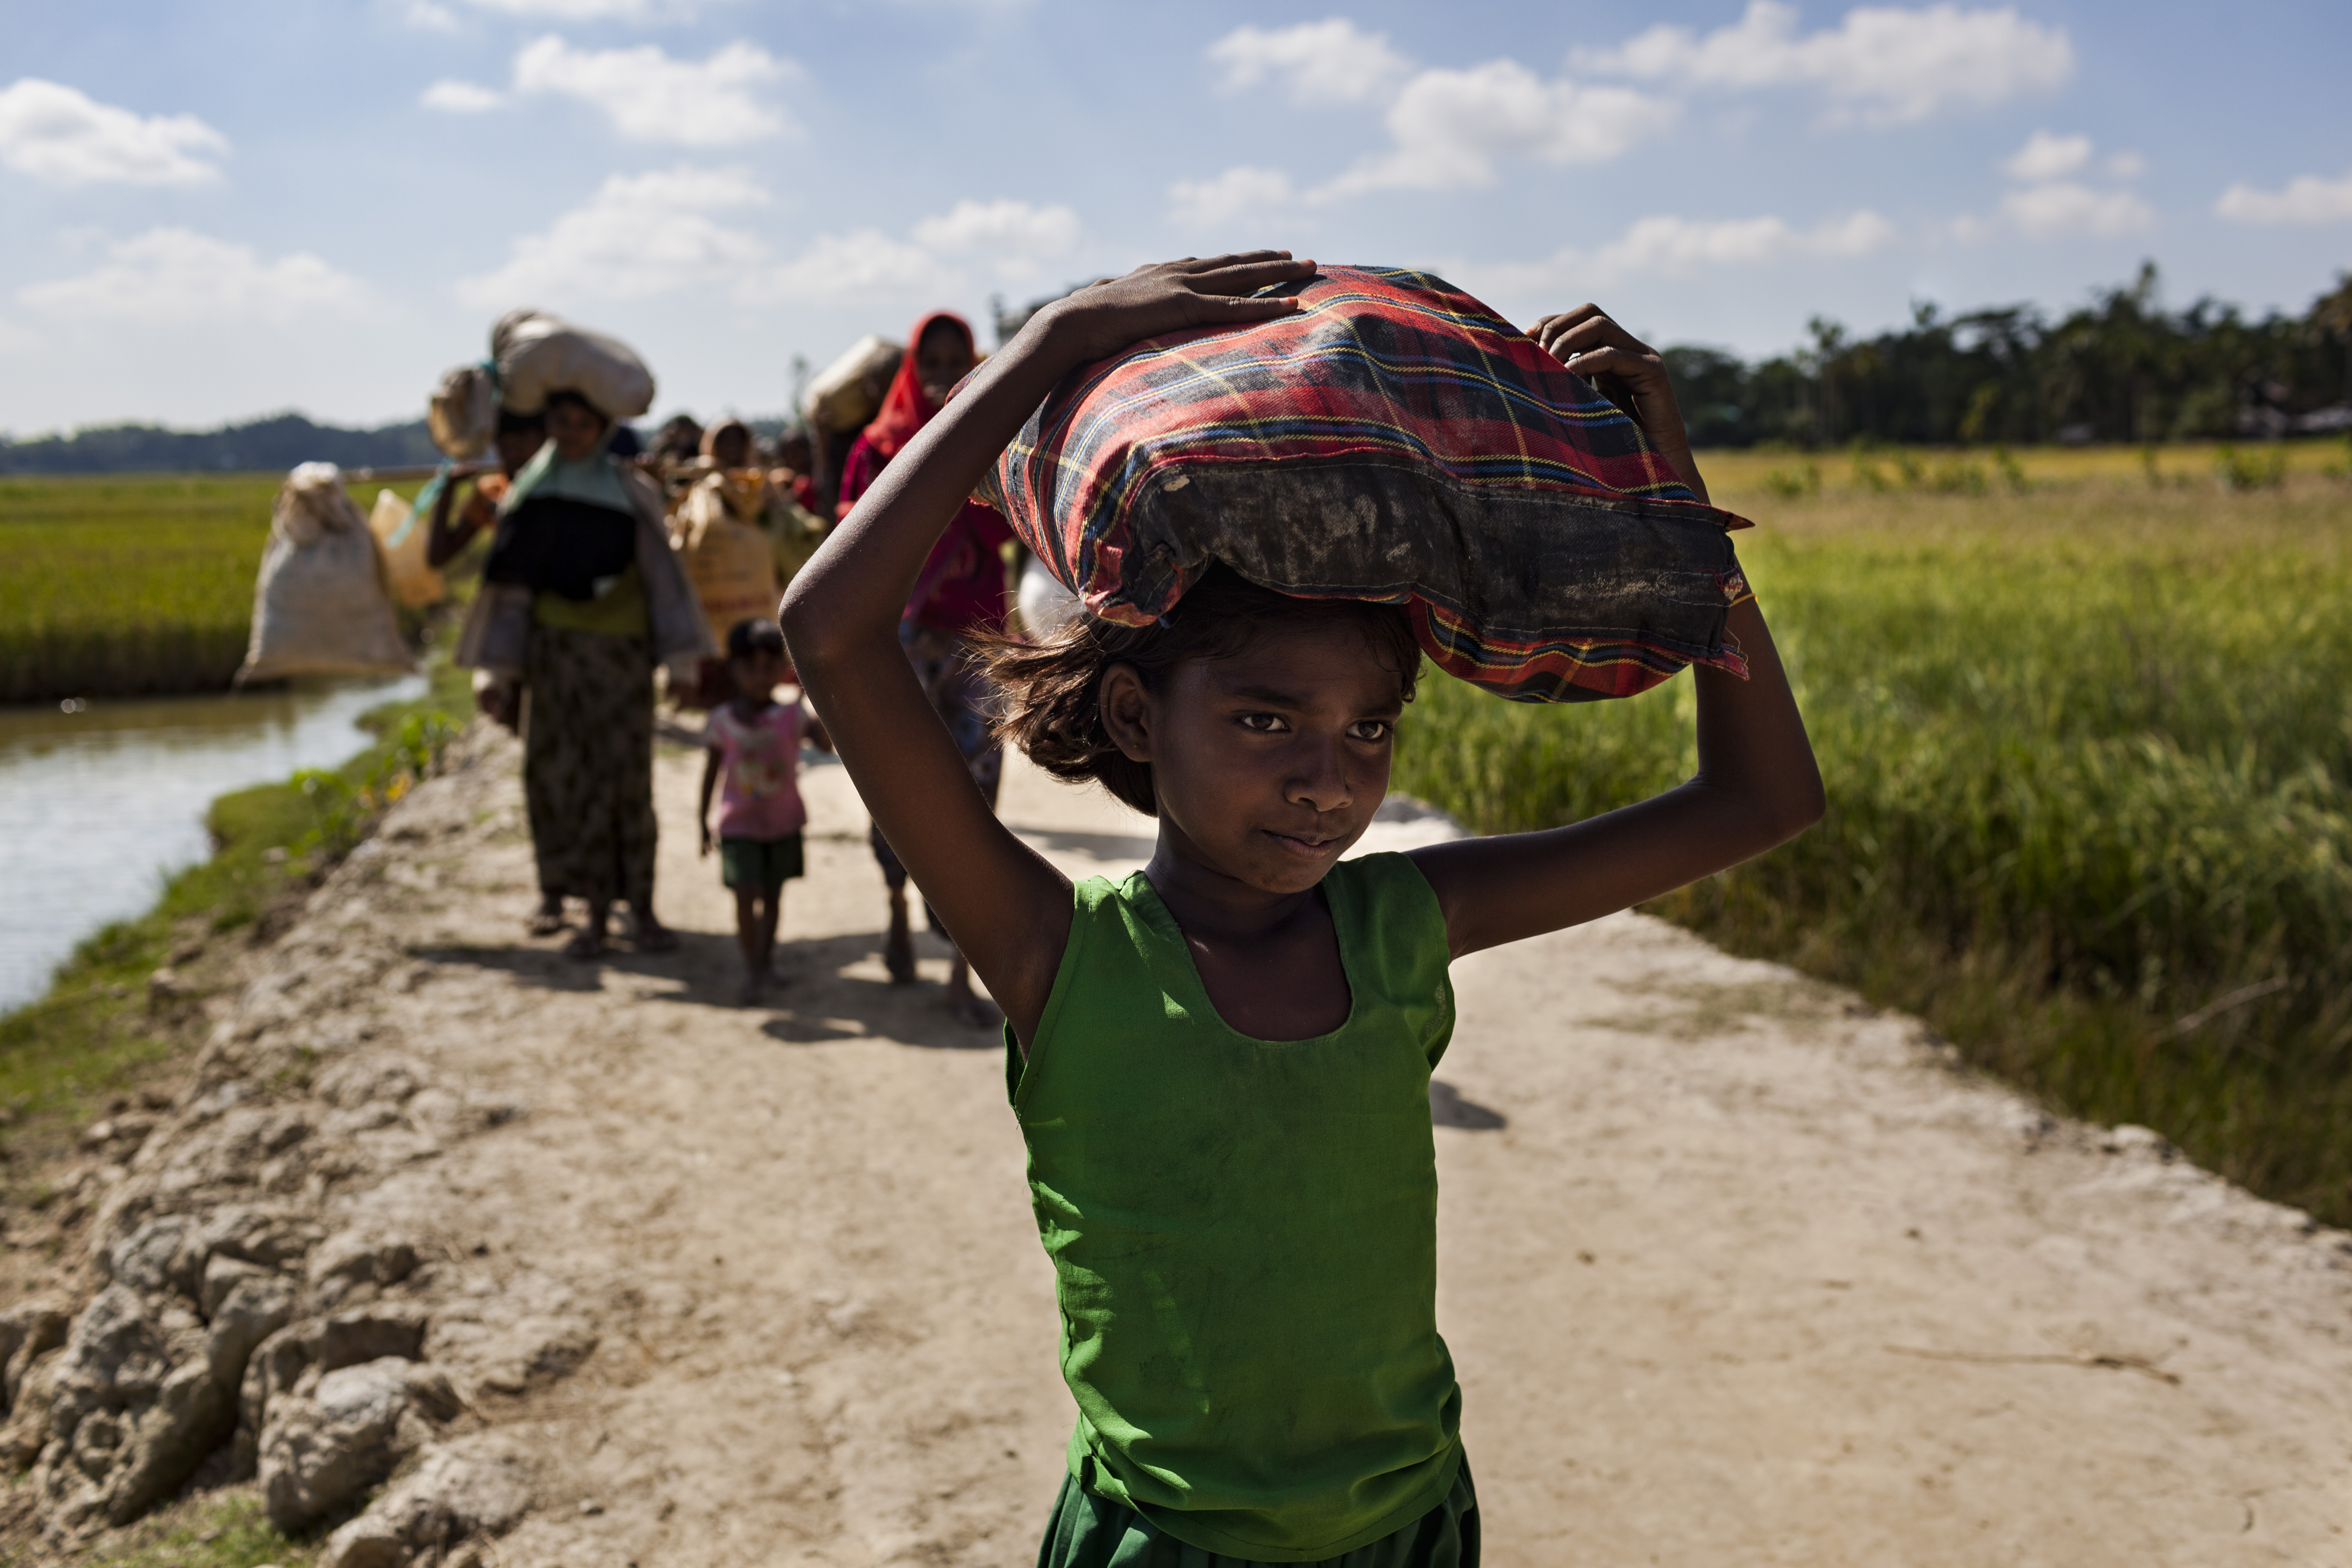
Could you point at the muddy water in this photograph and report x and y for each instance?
(98, 806)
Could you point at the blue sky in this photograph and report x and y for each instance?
(219, 210)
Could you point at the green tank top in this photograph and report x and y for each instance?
(1245, 1232)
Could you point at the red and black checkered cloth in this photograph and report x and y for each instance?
(1394, 440)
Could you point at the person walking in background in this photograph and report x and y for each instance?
(960, 591)
(754, 746)
(735, 482)
(519, 439)
(718, 532)
(582, 592)
(795, 470)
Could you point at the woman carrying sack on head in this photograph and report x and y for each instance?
(960, 591)
(582, 596)
(741, 539)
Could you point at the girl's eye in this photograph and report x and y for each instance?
(1265, 723)
(1369, 730)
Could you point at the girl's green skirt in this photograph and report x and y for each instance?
(1089, 1533)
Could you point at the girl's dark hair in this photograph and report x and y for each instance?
(1052, 688)
(512, 424)
(756, 635)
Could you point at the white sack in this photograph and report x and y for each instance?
(848, 393)
(538, 353)
(1045, 606)
(319, 607)
(462, 415)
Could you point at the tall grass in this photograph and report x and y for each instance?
(2087, 749)
(122, 584)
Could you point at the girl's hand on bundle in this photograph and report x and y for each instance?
(1109, 314)
(1627, 372)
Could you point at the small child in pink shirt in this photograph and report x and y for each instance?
(754, 743)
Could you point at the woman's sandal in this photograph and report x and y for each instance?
(586, 945)
(545, 922)
(652, 936)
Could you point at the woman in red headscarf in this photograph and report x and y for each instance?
(962, 589)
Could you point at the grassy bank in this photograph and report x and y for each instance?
(118, 586)
(2087, 749)
(129, 999)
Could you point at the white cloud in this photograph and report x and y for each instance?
(1449, 126)
(1236, 194)
(2308, 198)
(61, 135)
(593, 10)
(451, 95)
(861, 264)
(176, 276)
(1015, 234)
(2064, 207)
(1329, 61)
(430, 16)
(2126, 165)
(1898, 64)
(650, 97)
(639, 235)
(2048, 157)
(1678, 247)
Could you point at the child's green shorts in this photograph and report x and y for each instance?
(766, 864)
(1088, 1532)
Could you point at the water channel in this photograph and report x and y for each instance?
(98, 806)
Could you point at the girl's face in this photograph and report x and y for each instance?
(941, 359)
(576, 432)
(758, 675)
(1267, 765)
(733, 449)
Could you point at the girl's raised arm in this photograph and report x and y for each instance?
(1756, 788)
(1008, 910)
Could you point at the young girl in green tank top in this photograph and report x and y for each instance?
(1220, 1064)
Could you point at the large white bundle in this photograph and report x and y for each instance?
(320, 606)
(538, 353)
(848, 392)
(463, 412)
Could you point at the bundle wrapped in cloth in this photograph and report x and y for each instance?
(535, 354)
(1394, 440)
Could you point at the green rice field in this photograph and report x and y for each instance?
(2086, 748)
(2085, 720)
(120, 585)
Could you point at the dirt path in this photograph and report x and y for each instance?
(1734, 1269)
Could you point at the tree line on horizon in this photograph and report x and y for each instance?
(2119, 369)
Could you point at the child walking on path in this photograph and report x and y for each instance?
(754, 743)
(1220, 1066)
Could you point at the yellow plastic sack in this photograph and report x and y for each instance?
(731, 563)
(404, 535)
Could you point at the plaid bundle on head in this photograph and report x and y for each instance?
(1394, 440)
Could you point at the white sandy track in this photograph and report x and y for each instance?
(1746, 1274)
